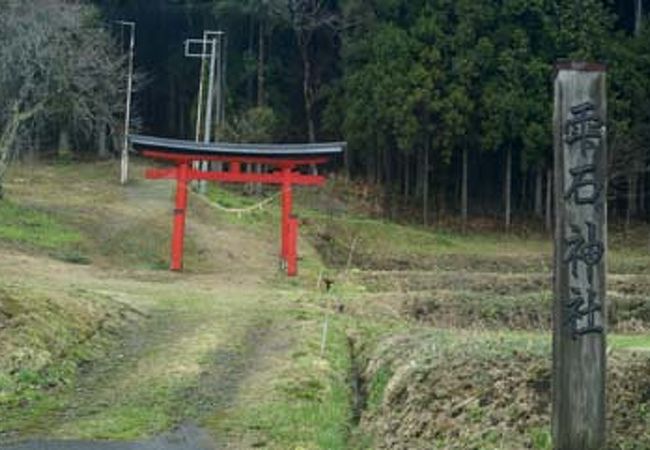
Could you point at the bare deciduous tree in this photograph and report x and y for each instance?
(59, 72)
(306, 18)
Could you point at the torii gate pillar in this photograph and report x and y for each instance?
(178, 233)
(289, 227)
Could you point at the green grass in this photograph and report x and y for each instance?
(300, 400)
(630, 342)
(31, 227)
(417, 239)
(143, 245)
(515, 339)
(231, 201)
(304, 423)
(384, 240)
(306, 402)
(123, 423)
(376, 388)
(43, 341)
(541, 439)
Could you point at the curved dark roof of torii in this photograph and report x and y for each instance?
(140, 142)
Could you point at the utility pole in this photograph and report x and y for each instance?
(222, 61)
(213, 40)
(207, 137)
(199, 103)
(124, 163)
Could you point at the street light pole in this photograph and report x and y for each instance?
(124, 164)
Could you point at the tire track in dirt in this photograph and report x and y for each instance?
(184, 438)
(219, 372)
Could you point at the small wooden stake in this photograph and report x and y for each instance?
(579, 311)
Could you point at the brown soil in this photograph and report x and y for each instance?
(465, 399)
(501, 283)
(127, 229)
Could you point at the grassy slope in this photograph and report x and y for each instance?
(488, 285)
(33, 228)
(181, 348)
(222, 345)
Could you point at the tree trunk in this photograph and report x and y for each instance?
(523, 200)
(378, 165)
(418, 173)
(182, 119)
(370, 168)
(63, 149)
(346, 165)
(549, 200)
(250, 82)
(399, 172)
(631, 198)
(508, 188)
(464, 189)
(425, 184)
(634, 199)
(102, 148)
(389, 189)
(407, 177)
(8, 137)
(538, 192)
(171, 109)
(261, 57)
(642, 196)
(32, 150)
(307, 92)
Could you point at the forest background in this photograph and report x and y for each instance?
(446, 105)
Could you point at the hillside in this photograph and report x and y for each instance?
(432, 336)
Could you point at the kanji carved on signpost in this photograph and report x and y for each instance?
(583, 311)
(584, 247)
(587, 251)
(584, 189)
(585, 128)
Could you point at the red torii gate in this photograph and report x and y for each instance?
(286, 159)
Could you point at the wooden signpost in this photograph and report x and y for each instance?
(579, 311)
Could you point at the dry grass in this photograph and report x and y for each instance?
(214, 345)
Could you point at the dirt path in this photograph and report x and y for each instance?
(185, 438)
(202, 332)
